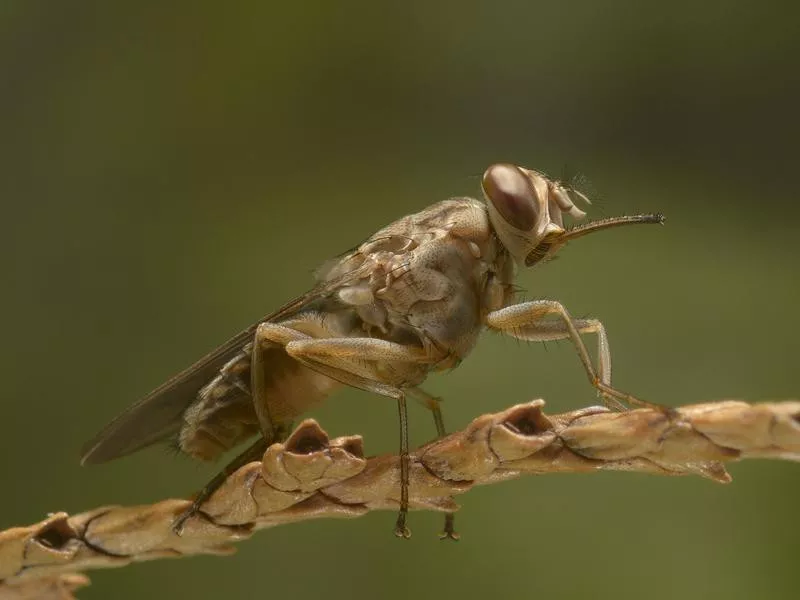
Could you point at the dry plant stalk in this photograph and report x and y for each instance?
(313, 476)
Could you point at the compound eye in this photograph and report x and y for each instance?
(510, 191)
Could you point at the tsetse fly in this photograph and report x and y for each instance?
(410, 300)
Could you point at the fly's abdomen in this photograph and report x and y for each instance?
(224, 415)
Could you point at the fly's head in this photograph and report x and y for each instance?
(527, 211)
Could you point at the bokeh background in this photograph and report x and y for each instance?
(172, 171)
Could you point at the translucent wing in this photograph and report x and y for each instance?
(158, 416)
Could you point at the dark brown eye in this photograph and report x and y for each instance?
(511, 193)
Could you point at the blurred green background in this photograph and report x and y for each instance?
(172, 171)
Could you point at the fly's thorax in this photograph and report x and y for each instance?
(431, 278)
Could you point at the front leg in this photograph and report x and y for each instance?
(528, 321)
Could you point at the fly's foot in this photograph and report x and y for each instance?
(609, 395)
(180, 522)
(612, 403)
(449, 532)
(400, 529)
(613, 399)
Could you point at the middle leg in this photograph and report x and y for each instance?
(433, 404)
(362, 363)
